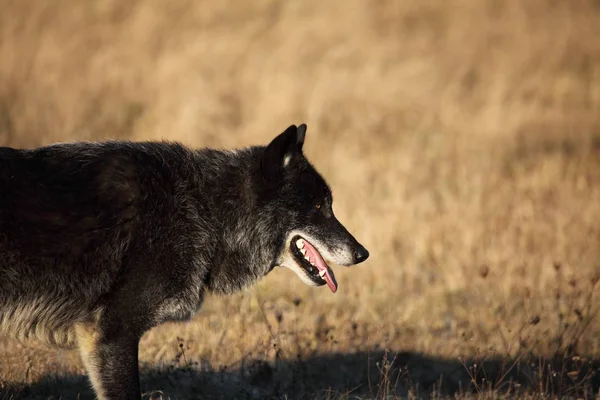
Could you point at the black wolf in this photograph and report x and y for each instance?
(99, 242)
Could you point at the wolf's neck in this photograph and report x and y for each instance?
(224, 179)
(225, 192)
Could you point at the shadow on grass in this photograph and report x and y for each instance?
(362, 375)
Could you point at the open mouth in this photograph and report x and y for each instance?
(313, 264)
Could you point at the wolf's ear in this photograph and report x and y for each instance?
(283, 149)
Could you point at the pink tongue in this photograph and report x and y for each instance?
(329, 278)
(316, 258)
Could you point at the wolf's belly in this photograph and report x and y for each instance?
(49, 320)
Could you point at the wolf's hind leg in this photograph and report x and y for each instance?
(111, 362)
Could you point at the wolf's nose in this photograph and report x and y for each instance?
(360, 254)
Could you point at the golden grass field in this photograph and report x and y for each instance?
(462, 143)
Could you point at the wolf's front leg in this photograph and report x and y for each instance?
(111, 361)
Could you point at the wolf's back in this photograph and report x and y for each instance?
(67, 216)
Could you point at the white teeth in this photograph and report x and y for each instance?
(300, 243)
(303, 251)
(309, 260)
(322, 273)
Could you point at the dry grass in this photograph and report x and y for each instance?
(462, 142)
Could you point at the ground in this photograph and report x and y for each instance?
(462, 143)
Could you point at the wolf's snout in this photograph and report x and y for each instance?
(360, 254)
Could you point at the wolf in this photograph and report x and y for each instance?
(101, 241)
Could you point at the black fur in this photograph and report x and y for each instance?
(117, 237)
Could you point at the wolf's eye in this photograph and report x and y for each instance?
(324, 209)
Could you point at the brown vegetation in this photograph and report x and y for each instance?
(462, 143)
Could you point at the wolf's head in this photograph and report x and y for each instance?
(308, 233)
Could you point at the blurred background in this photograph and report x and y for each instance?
(461, 140)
